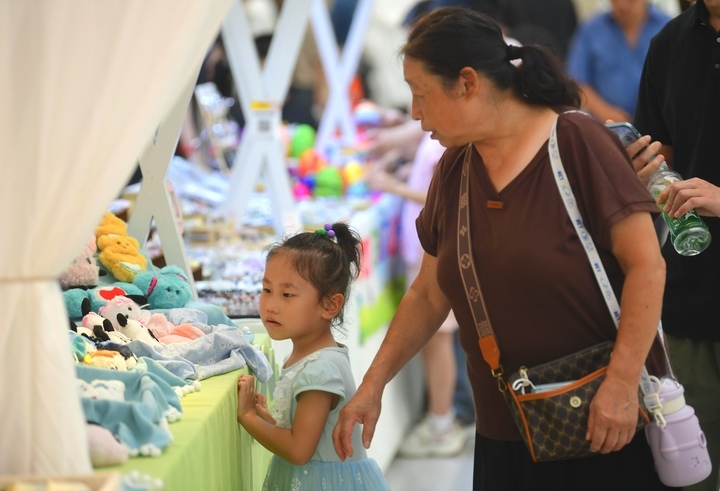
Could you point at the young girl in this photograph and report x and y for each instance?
(306, 282)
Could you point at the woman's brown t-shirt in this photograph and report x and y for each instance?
(542, 297)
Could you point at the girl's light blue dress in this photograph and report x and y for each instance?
(328, 370)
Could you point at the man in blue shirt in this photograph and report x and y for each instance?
(607, 54)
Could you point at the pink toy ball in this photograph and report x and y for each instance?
(301, 191)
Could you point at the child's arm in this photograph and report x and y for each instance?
(262, 409)
(296, 444)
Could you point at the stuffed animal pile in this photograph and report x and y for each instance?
(119, 253)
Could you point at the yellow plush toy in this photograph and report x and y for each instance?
(119, 253)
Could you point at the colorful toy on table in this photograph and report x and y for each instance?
(102, 329)
(125, 306)
(105, 449)
(83, 272)
(301, 138)
(168, 333)
(367, 114)
(110, 360)
(167, 288)
(301, 191)
(352, 172)
(134, 330)
(310, 162)
(99, 296)
(328, 182)
(357, 189)
(80, 345)
(119, 253)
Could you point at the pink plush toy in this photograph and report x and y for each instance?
(166, 332)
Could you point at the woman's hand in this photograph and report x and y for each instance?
(247, 399)
(695, 193)
(363, 408)
(612, 423)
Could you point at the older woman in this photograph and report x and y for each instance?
(496, 104)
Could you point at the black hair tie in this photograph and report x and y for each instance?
(513, 52)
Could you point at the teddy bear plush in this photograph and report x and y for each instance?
(119, 253)
(166, 289)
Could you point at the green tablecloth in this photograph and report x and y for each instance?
(209, 451)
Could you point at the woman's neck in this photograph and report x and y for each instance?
(512, 122)
(518, 136)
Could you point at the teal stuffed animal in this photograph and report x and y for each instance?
(165, 289)
(99, 296)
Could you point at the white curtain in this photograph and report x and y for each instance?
(83, 86)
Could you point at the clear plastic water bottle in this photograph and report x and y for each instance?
(688, 233)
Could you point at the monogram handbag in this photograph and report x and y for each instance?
(549, 402)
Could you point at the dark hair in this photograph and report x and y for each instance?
(328, 265)
(449, 39)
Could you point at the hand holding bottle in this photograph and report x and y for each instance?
(688, 233)
(694, 193)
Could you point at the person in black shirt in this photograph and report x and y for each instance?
(679, 105)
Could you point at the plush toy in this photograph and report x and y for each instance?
(134, 330)
(110, 224)
(119, 253)
(99, 296)
(126, 306)
(122, 348)
(105, 332)
(168, 289)
(112, 360)
(84, 271)
(121, 256)
(102, 329)
(105, 449)
(81, 346)
(168, 333)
